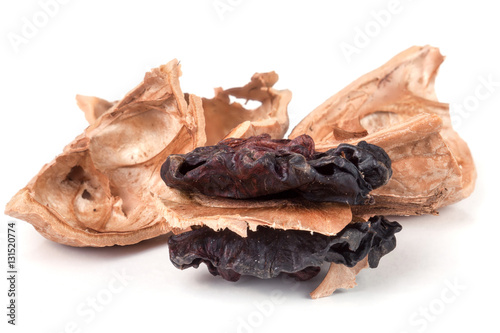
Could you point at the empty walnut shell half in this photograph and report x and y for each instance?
(395, 107)
(105, 188)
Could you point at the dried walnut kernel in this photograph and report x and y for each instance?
(267, 252)
(259, 166)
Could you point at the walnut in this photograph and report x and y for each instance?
(105, 188)
(395, 107)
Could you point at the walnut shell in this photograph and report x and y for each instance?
(395, 107)
(105, 188)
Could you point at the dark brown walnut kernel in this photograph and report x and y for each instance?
(268, 252)
(259, 166)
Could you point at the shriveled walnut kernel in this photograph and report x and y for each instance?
(267, 252)
(259, 166)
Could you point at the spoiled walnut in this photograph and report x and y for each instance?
(259, 166)
(105, 187)
(267, 252)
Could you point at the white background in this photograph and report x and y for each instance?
(104, 48)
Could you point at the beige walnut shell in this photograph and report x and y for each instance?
(105, 188)
(395, 107)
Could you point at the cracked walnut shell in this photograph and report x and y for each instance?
(395, 107)
(105, 188)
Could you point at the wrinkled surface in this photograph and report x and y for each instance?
(395, 107)
(259, 166)
(266, 253)
(105, 188)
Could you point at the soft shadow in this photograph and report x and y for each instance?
(424, 247)
(251, 285)
(111, 252)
